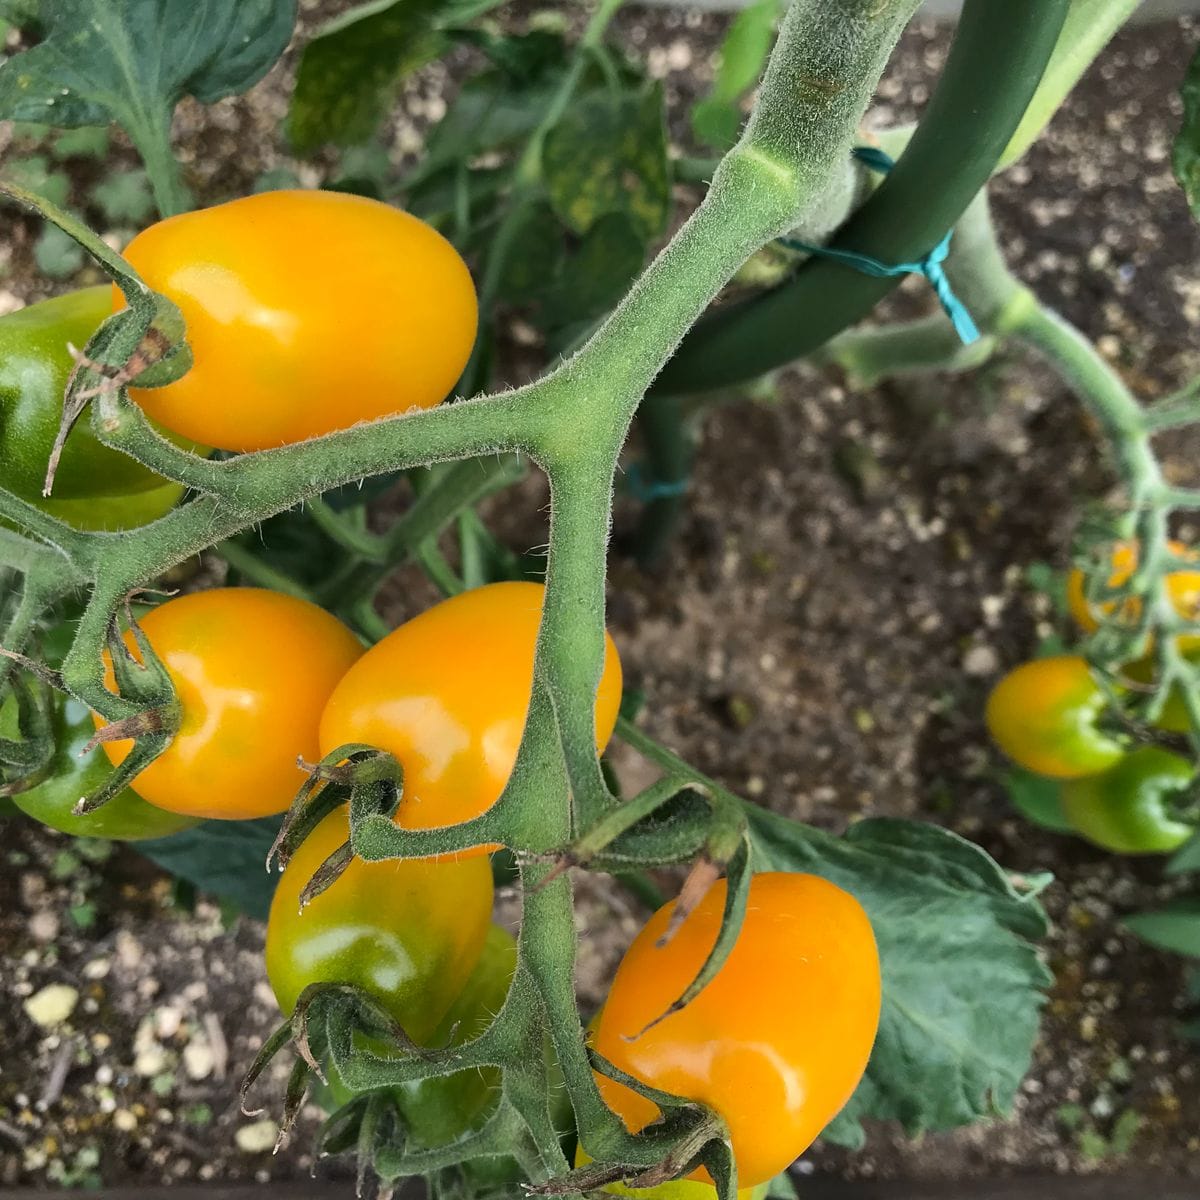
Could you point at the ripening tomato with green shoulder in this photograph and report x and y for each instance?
(1128, 808)
(438, 1110)
(409, 932)
(73, 775)
(1045, 715)
(306, 312)
(252, 671)
(447, 693)
(95, 488)
(779, 1039)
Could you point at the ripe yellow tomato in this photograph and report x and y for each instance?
(776, 1043)
(1183, 587)
(447, 693)
(1044, 714)
(306, 312)
(252, 669)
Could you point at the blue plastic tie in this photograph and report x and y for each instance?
(651, 489)
(930, 266)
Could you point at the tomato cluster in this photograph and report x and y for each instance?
(1053, 717)
(263, 681)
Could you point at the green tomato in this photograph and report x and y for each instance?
(125, 818)
(436, 1111)
(94, 487)
(1127, 808)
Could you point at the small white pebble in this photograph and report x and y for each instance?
(258, 1137)
(52, 1005)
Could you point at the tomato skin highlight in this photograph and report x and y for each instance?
(1043, 715)
(776, 1043)
(125, 818)
(409, 932)
(1126, 808)
(447, 693)
(252, 669)
(95, 488)
(306, 312)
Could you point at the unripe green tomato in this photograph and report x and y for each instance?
(438, 1110)
(94, 487)
(126, 817)
(1127, 808)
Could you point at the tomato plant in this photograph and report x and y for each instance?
(1128, 807)
(94, 487)
(418, 695)
(312, 336)
(264, 284)
(252, 670)
(1045, 715)
(408, 933)
(780, 1037)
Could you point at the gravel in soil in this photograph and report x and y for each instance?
(848, 582)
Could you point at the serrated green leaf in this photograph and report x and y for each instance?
(223, 858)
(1176, 927)
(1037, 799)
(962, 981)
(124, 197)
(1185, 157)
(132, 61)
(57, 254)
(598, 273)
(717, 118)
(608, 154)
(350, 71)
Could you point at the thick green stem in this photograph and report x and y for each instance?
(151, 135)
(999, 54)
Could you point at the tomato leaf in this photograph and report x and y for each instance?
(1185, 158)
(1176, 927)
(1037, 799)
(717, 118)
(224, 858)
(608, 154)
(962, 981)
(350, 71)
(132, 60)
(1187, 859)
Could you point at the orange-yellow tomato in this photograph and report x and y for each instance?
(1183, 587)
(447, 693)
(252, 670)
(1043, 715)
(776, 1043)
(306, 312)
(407, 931)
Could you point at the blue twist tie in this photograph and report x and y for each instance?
(651, 489)
(930, 266)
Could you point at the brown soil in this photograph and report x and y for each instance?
(819, 642)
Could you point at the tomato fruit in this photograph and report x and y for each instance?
(1183, 587)
(437, 1110)
(94, 487)
(1044, 715)
(306, 312)
(1127, 808)
(407, 931)
(776, 1043)
(126, 817)
(252, 670)
(447, 693)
